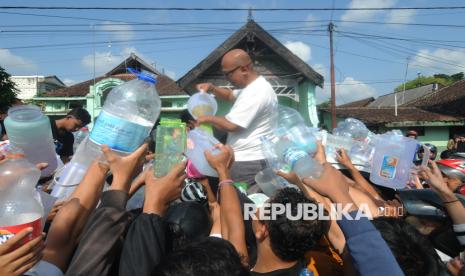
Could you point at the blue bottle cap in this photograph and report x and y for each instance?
(142, 76)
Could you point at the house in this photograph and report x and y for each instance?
(91, 94)
(31, 86)
(293, 80)
(436, 114)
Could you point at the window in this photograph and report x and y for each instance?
(166, 104)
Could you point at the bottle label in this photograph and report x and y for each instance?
(117, 133)
(292, 155)
(7, 232)
(389, 167)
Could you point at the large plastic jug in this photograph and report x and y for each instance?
(170, 144)
(202, 104)
(295, 158)
(19, 205)
(198, 141)
(29, 130)
(392, 160)
(288, 117)
(129, 114)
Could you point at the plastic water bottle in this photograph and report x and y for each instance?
(352, 128)
(129, 113)
(19, 206)
(288, 117)
(296, 159)
(170, 144)
(392, 160)
(79, 136)
(29, 130)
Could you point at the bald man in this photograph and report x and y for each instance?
(254, 103)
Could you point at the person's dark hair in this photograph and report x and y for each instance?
(186, 116)
(186, 222)
(413, 251)
(80, 114)
(291, 239)
(210, 256)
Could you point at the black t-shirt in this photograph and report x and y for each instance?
(461, 147)
(63, 140)
(291, 271)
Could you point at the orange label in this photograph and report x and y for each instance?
(7, 232)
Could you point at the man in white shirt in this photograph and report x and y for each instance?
(251, 116)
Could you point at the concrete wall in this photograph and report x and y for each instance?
(27, 86)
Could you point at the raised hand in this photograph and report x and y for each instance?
(161, 191)
(331, 184)
(16, 259)
(343, 158)
(123, 168)
(434, 178)
(222, 160)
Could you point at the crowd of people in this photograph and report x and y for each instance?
(419, 230)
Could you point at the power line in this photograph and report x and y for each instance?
(229, 9)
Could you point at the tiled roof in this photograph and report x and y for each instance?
(378, 116)
(403, 97)
(448, 100)
(359, 103)
(165, 87)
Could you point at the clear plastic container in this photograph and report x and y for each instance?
(79, 137)
(170, 144)
(295, 158)
(288, 117)
(392, 160)
(269, 182)
(352, 128)
(68, 178)
(129, 113)
(20, 206)
(202, 104)
(198, 141)
(30, 130)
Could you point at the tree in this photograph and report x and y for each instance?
(8, 91)
(443, 79)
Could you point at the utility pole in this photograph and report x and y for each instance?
(403, 90)
(333, 84)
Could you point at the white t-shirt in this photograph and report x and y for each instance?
(253, 110)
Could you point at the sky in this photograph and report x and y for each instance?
(371, 59)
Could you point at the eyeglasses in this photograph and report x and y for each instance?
(228, 73)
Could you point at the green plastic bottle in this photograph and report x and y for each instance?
(170, 144)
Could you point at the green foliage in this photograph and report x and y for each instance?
(442, 79)
(8, 91)
(325, 104)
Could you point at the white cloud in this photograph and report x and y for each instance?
(448, 61)
(300, 49)
(119, 32)
(364, 15)
(105, 61)
(17, 65)
(352, 90)
(401, 16)
(310, 21)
